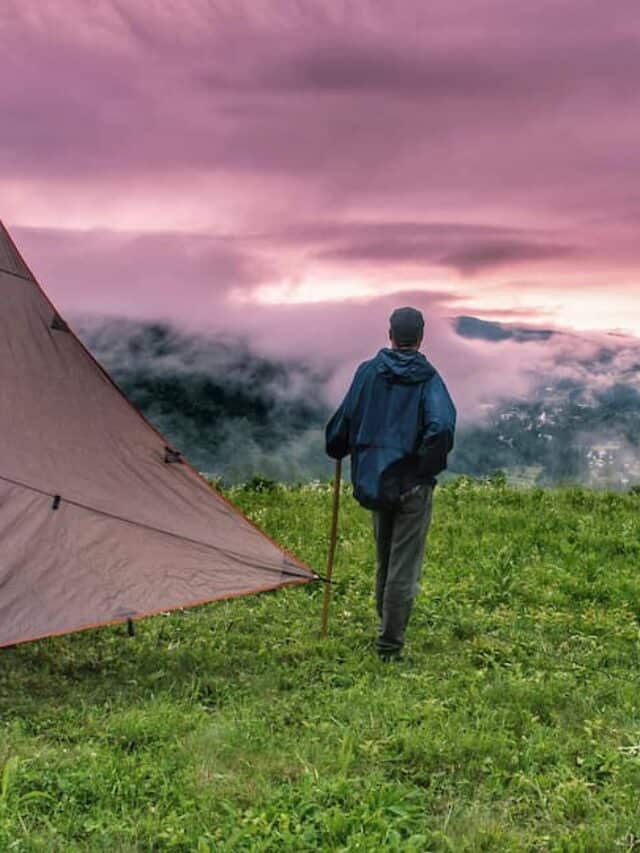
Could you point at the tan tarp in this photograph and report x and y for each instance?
(100, 521)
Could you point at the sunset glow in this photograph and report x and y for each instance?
(159, 162)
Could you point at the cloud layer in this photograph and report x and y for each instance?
(237, 414)
(162, 155)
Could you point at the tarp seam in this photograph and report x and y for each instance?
(17, 275)
(242, 558)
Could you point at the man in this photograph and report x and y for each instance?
(397, 422)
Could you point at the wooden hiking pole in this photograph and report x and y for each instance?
(332, 548)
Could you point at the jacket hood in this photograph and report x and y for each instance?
(404, 366)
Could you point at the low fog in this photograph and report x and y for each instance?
(544, 405)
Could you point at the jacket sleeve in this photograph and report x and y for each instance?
(338, 431)
(439, 415)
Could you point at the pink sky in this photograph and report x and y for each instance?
(199, 159)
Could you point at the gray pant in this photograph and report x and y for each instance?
(400, 541)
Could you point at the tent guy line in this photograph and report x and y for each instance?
(243, 558)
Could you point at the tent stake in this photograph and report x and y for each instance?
(332, 548)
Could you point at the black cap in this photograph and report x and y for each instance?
(406, 326)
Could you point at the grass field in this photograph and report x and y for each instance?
(514, 723)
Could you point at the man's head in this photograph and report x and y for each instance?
(406, 326)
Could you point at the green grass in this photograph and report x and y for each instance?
(514, 724)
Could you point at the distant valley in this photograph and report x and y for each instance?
(236, 414)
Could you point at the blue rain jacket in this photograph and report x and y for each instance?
(397, 422)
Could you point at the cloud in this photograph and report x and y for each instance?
(210, 285)
(473, 141)
(379, 67)
(467, 248)
(237, 413)
(475, 257)
(426, 93)
(163, 274)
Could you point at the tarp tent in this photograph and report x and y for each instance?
(101, 520)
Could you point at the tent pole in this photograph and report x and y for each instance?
(332, 548)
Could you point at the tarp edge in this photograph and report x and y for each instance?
(297, 581)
